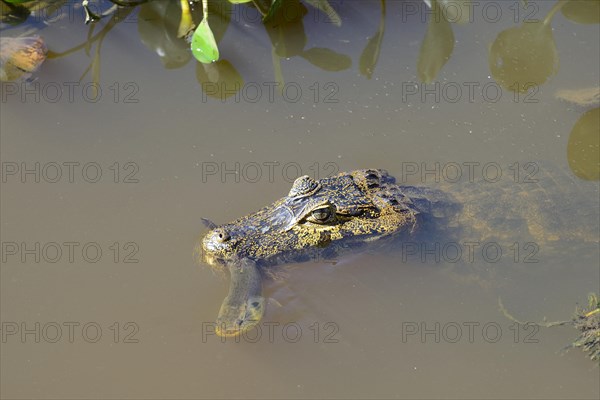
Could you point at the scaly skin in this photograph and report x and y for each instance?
(351, 209)
(333, 213)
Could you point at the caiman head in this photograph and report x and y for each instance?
(355, 207)
(343, 211)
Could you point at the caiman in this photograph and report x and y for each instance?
(364, 207)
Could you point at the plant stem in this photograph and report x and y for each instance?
(559, 4)
(205, 9)
(504, 311)
(260, 7)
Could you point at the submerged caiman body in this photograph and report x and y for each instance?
(361, 208)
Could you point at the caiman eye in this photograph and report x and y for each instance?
(320, 215)
(221, 235)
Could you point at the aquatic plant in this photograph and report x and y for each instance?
(585, 319)
(522, 57)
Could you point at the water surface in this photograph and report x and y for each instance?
(343, 330)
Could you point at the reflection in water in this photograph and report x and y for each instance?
(158, 30)
(582, 11)
(521, 57)
(459, 11)
(288, 39)
(437, 45)
(525, 56)
(583, 150)
(327, 59)
(325, 8)
(587, 97)
(20, 57)
(219, 80)
(186, 24)
(370, 55)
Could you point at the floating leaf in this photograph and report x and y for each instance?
(582, 11)
(326, 59)
(204, 46)
(583, 149)
(437, 46)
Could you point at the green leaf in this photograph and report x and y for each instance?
(18, 1)
(204, 46)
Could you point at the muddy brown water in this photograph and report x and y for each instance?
(101, 297)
